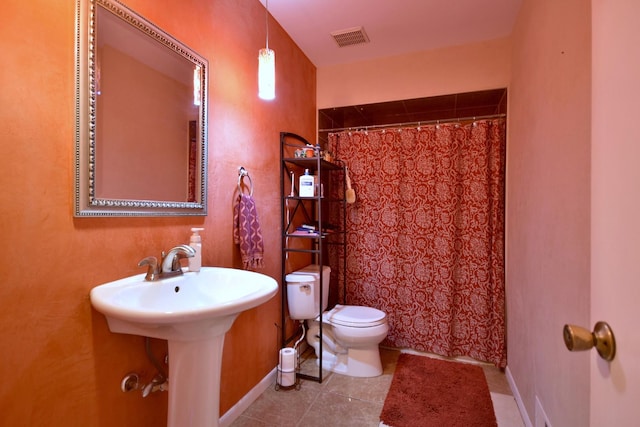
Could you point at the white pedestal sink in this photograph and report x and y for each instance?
(193, 312)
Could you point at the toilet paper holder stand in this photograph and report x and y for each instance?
(288, 367)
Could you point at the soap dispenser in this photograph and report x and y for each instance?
(307, 185)
(195, 262)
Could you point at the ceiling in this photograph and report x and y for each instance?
(394, 27)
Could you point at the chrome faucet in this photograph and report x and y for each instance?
(170, 265)
(171, 261)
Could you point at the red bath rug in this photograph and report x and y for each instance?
(430, 392)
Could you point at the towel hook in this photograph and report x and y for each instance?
(242, 172)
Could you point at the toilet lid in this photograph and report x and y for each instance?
(298, 278)
(355, 316)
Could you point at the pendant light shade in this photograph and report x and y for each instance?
(266, 74)
(267, 66)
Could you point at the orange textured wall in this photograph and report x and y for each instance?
(60, 365)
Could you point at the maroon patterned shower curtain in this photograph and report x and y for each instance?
(425, 237)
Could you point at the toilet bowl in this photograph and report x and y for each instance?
(350, 334)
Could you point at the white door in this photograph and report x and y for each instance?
(615, 213)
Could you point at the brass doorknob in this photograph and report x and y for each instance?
(577, 338)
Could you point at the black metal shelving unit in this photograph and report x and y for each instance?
(328, 202)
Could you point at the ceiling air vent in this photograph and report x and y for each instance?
(350, 36)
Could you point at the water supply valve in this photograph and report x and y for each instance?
(158, 383)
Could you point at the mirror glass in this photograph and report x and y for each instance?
(141, 138)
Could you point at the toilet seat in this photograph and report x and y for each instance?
(355, 316)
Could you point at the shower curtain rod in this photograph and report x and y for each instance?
(419, 123)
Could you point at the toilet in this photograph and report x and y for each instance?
(350, 334)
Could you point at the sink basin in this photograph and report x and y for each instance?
(193, 312)
(186, 307)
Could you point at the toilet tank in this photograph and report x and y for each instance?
(303, 291)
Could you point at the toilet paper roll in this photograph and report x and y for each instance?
(287, 359)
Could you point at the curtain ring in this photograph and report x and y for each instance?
(242, 172)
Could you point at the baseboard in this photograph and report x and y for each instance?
(516, 395)
(541, 418)
(236, 410)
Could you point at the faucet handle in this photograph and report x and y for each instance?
(153, 271)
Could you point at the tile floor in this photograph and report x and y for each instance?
(352, 402)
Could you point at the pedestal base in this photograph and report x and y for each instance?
(194, 380)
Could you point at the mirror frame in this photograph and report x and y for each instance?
(86, 201)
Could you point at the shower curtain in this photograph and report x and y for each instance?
(425, 239)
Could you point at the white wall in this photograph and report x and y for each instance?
(445, 71)
(548, 206)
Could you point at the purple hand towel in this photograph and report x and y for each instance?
(246, 232)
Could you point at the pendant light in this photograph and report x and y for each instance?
(267, 66)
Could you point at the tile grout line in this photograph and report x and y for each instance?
(310, 405)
